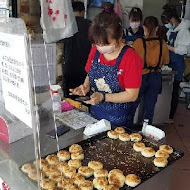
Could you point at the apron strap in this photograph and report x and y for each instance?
(157, 67)
(119, 58)
(96, 56)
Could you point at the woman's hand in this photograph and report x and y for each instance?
(95, 98)
(81, 90)
(171, 48)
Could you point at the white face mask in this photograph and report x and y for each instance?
(106, 49)
(134, 25)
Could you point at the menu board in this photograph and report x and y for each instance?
(14, 72)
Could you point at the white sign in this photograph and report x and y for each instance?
(15, 76)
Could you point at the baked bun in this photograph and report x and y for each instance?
(77, 178)
(56, 178)
(47, 184)
(138, 146)
(26, 168)
(160, 162)
(166, 148)
(110, 187)
(85, 171)
(77, 156)
(162, 153)
(124, 137)
(41, 163)
(75, 163)
(73, 188)
(69, 171)
(95, 165)
(116, 177)
(132, 180)
(100, 182)
(86, 185)
(50, 173)
(101, 173)
(75, 148)
(113, 135)
(136, 137)
(148, 152)
(33, 175)
(52, 159)
(62, 166)
(63, 155)
(65, 183)
(50, 168)
(119, 130)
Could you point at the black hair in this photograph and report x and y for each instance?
(107, 7)
(78, 6)
(151, 23)
(105, 25)
(169, 13)
(136, 14)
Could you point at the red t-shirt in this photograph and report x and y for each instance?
(129, 71)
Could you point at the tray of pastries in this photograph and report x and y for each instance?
(113, 160)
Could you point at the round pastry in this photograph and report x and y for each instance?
(33, 175)
(116, 177)
(124, 137)
(62, 166)
(85, 171)
(56, 178)
(160, 162)
(52, 159)
(75, 148)
(148, 152)
(65, 183)
(162, 153)
(75, 163)
(26, 168)
(51, 172)
(100, 182)
(73, 188)
(167, 148)
(41, 163)
(119, 130)
(113, 135)
(132, 180)
(69, 171)
(86, 185)
(136, 137)
(101, 173)
(78, 178)
(110, 187)
(63, 155)
(77, 156)
(47, 184)
(49, 168)
(138, 146)
(95, 165)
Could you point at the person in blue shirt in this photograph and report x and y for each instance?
(135, 30)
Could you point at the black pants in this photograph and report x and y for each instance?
(175, 99)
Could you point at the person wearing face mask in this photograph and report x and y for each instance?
(154, 52)
(178, 36)
(114, 72)
(135, 30)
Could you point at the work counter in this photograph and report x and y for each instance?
(13, 156)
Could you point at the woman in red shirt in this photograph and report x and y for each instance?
(114, 72)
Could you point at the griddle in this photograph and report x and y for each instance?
(116, 154)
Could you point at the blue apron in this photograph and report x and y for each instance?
(177, 62)
(107, 76)
(131, 37)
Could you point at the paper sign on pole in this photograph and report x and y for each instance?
(15, 76)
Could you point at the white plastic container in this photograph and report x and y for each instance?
(56, 102)
(153, 132)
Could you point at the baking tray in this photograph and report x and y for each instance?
(116, 154)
